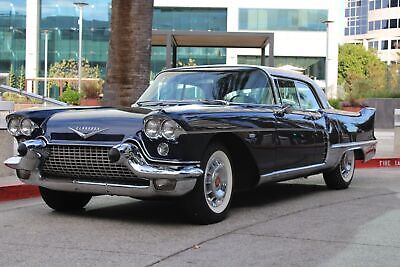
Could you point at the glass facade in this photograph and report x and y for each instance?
(356, 13)
(61, 19)
(191, 19)
(282, 19)
(12, 34)
(314, 66)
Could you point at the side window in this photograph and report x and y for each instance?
(306, 97)
(288, 93)
(249, 87)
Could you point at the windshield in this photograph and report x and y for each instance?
(239, 86)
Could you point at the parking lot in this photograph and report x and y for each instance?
(294, 223)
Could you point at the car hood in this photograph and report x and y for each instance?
(111, 125)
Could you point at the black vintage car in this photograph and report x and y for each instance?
(197, 133)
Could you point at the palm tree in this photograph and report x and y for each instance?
(128, 66)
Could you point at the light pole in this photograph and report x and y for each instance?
(327, 60)
(46, 49)
(80, 5)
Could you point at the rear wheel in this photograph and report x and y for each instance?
(342, 175)
(64, 201)
(210, 199)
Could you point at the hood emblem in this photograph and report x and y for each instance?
(87, 131)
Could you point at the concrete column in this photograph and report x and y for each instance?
(232, 26)
(32, 42)
(331, 61)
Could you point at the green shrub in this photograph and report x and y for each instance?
(71, 96)
(16, 98)
(335, 103)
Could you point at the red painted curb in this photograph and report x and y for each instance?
(18, 191)
(379, 163)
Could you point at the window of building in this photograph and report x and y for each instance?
(373, 44)
(282, 19)
(378, 24)
(385, 3)
(377, 4)
(394, 3)
(371, 26)
(393, 23)
(384, 45)
(371, 5)
(385, 24)
(395, 44)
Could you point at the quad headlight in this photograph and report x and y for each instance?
(155, 128)
(14, 126)
(19, 126)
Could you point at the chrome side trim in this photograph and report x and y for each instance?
(282, 175)
(354, 144)
(248, 130)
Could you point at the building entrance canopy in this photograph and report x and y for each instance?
(174, 39)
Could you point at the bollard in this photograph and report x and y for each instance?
(397, 131)
(6, 140)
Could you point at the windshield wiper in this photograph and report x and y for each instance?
(181, 102)
(213, 101)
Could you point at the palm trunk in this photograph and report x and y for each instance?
(128, 66)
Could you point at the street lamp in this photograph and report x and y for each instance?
(328, 41)
(80, 5)
(46, 49)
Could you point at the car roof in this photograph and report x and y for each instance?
(275, 72)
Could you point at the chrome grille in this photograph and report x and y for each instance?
(83, 162)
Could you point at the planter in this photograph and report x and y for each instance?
(89, 102)
(21, 106)
(352, 109)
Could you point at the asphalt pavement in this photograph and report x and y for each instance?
(298, 223)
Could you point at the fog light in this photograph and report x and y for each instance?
(163, 149)
(165, 184)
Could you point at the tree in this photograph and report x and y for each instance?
(21, 78)
(360, 71)
(69, 69)
(12, 79)
(128, 66)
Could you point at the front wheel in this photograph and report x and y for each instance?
(342, 175)
(211, 197)
(64, 201)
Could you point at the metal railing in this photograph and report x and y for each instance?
(6, 88)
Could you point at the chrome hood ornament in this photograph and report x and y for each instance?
(87, 131)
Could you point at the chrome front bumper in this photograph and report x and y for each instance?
(164, 180)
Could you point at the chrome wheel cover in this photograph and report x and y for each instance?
(347, 166)
(218, 181)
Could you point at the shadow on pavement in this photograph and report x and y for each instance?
(169, 212)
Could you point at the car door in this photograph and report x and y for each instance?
(309, 102)
(295, 129)
(254, 94)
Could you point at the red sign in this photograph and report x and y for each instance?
(379, 163)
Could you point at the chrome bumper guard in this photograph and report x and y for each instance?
(168, 180)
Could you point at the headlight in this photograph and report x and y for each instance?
(27, 127)
(14, 126)
(152, 128)
(170, 130)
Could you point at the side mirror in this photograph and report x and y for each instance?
(284, 109)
